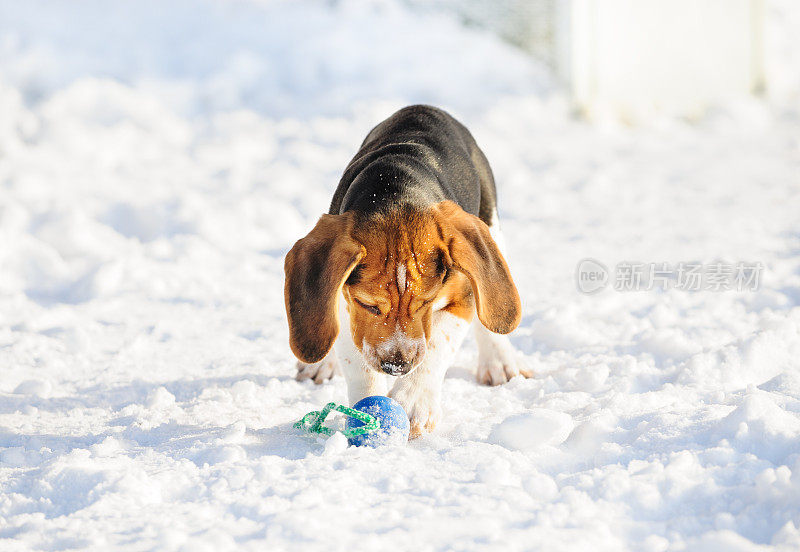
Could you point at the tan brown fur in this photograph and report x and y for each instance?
(474, 253)
(449, 258)
(412, 239)
(316, 269)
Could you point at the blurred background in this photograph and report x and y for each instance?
(625, 56)
(194, 119)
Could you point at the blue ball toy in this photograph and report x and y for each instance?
(394, 425)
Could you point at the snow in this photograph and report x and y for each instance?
(158, 160)
(532, 430)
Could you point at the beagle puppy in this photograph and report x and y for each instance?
(411, 246)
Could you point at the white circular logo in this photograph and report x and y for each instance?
(591, 276)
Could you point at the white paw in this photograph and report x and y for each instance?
(319, 371)
(423, 406)
(498, 363)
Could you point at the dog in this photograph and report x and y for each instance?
(411, 244)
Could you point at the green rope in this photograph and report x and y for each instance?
(312, 422)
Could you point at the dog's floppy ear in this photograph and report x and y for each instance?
(473, 252)
(316, 269)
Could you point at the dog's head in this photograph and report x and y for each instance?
(394, 270)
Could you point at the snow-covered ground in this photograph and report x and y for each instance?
(158, 159)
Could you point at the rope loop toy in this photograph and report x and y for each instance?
(372, 421)
(312, 422)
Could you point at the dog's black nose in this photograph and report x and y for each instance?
(396, 368)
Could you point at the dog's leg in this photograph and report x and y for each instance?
(497, 359)
(361, 381)
(420, 392)
(319, 371)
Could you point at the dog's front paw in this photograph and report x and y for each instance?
(319, 371)
(422, 405)
(498, 362)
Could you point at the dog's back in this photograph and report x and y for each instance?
(419, 156)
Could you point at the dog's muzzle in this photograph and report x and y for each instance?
(396, 368)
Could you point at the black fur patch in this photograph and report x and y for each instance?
(355, 276)
(441, 267)
(420, 156)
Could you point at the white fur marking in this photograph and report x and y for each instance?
(401, 277)
(409, 346)
(362, 381)
(420, 391)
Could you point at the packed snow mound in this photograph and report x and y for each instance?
(532, 430)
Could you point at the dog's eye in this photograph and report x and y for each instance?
(439, 262)
(371, 308)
